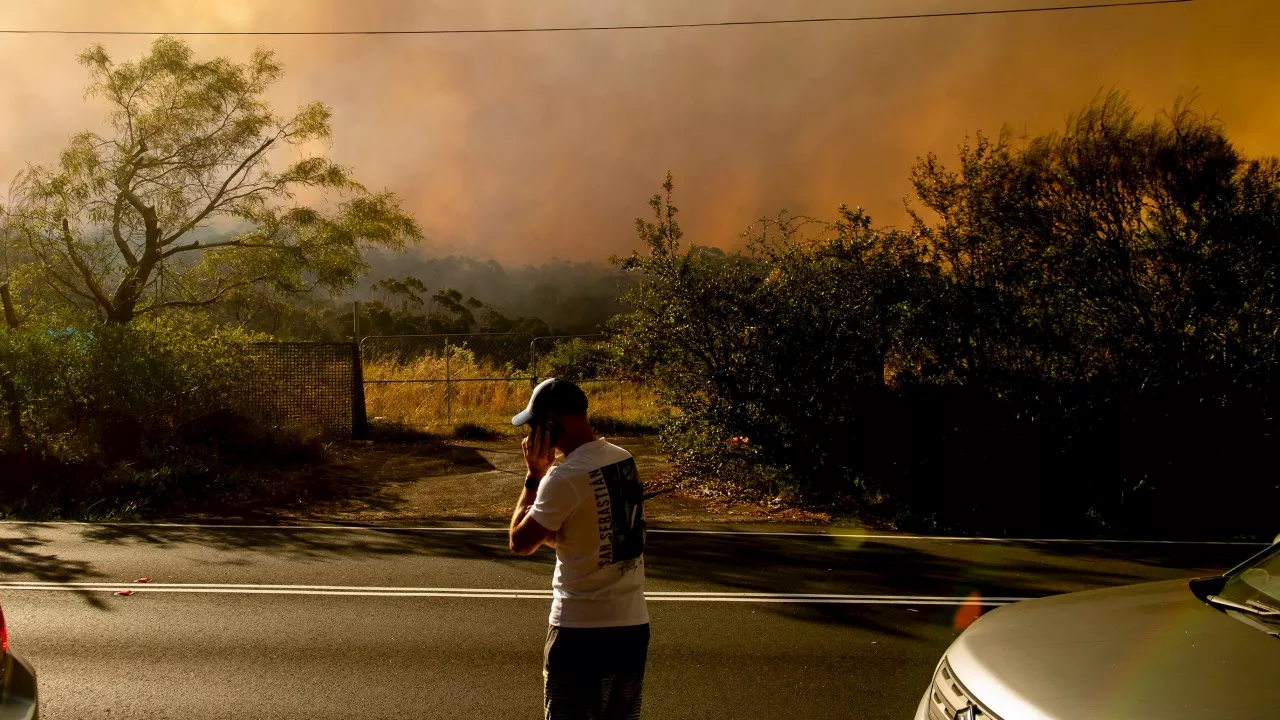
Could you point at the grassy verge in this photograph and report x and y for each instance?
(412, 395)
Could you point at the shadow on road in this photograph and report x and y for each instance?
(1167, 555)
(742, 563)
(21, 557)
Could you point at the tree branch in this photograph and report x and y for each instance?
(121, 243)
(212, 299)
(147, 212)
(85, 272)
(197, 245)
(69, 286)
(217, 197)
(206, 138)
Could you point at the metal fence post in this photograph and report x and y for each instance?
(402, 383)
(359, 413)
(533, 363)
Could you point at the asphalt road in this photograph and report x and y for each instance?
(360, 623)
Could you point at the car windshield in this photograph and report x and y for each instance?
(1258, 582)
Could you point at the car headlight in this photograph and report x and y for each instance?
(949, 700)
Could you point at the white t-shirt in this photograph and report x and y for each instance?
(594, 502)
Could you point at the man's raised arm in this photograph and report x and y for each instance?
(526, 535)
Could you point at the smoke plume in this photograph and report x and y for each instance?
(526, 147)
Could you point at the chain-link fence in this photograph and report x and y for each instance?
(442, 381)
(430, 381)
(592, 362)
(317, 386)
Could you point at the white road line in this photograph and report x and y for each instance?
(232, 526)
(744, 533)
(402, 588)
(833, 596)
(144, 586)
(262, 591)
(499, 593)
(961, 538)
(834, 601)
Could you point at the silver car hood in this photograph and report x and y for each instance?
(1142, 651)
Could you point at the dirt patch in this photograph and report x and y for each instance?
(430, 480)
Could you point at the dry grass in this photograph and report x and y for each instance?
(483, 395)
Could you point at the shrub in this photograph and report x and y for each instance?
(785, 347)
(133, 385)
(1081, 336)
(580, 359)
(130, 416)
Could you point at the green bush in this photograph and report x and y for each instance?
(771, 355)
(580, 359)
(135, 384)
(120, 417)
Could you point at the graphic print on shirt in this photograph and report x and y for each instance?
(619, 501)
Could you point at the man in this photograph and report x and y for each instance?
(590, 508)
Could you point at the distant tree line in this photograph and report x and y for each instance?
(1078, 332)
(396, 306)
(572, 297)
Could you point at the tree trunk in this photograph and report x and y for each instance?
(10, 317)
(124, 304)
(120, 316)
(17, 435)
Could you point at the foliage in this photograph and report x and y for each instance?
(179, 205)
(579, 359)
(153, 377)
(1141, 253)
(1077, 331)
(124, 416)
(781, 344)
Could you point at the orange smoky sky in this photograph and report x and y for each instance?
(532, 146)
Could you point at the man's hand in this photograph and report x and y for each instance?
(526, 535)
(539, 453)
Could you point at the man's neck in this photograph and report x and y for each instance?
(569, 443)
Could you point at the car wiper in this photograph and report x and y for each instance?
(1253, 607)
(1265, 607)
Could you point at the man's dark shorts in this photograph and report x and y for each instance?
(594, 673)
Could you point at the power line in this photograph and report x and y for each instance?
(666, 26)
